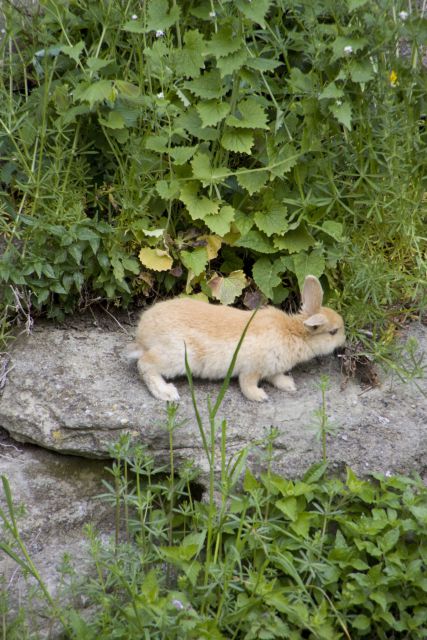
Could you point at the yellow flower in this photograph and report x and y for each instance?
(393, 78)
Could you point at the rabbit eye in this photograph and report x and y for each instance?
(333, 332)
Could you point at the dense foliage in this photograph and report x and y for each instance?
(212, 147)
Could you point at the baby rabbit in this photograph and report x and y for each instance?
(274, 343)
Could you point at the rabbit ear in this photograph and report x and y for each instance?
(312, 295)
(314, 321)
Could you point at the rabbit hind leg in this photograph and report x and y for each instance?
(155, 382)
(249, 386)
(282, 382)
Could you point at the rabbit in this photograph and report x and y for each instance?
(274, 343)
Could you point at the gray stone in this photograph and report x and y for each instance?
(71, 390)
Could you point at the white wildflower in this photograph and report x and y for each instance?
(403, 15)
(134, 17)
(161, 94)
(212, 14)
(177, 604)
(3, 31)
(338, 103)
(348, 49)
(159, 33)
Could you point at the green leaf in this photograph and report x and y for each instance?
(208, 86)
(155, 259)
(355, 4)
(300, 82)
(288, 506)
(159, 16)
(294, 241)
(308, 264)
(389, 540)
(181, 155)
(272, 221)
(134, 26)
(249, 115)
(239, 141)
(95, 92)
(331, 91)
(263, 64)
(231, 63)
(205, 173)
(195, 260)
(254, 10)
(342, 112)
(212, 111)
(361, 72)
(266, 275)
(220, 222)
(191, 122)
(75, 51)
(198, 207)
(250, 483)
(159, 143)
(114, 120)
(168, 190)
(95, 64)
(256, 241)
(340, 45)
(224, 42)
(361, 623)
(302, 525)
(190, 59)
(252, 180)
(227, 289)
(282, 159)
(333, 229)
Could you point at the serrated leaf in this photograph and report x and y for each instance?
(227, 289)
(73, 52)
(212, 111)
(95, 64)
(198, 207)
(195, 260)
(95, 92)
(190, 59)
(224, 42)
(308, 264)
(231, 63)
(254, 10)
(181, 155)
(249, 115)
(288, 506)
(155, 259)
(252, 180)
(208, 86)
(294, 241)
(272, 221)
(263, 64)
(256, 241)
(238, 140)
(114, 120)
(220, 222)
(301, 526)
(191, 122)
(168, 190)
(333, 229)
(213, 245)
(342, 113)
(205, 173)
(341, 44)
(159, 17)
(361, 71)
(134, 26)
(331, 91)
(127, 90)
(266, 275)
(159, 143)
(300, 82)
(283, 159)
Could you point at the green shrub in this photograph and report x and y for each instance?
(217, 143)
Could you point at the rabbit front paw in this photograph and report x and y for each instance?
(282, 382)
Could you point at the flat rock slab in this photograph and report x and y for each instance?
(71, 390)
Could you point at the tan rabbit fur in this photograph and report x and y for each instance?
(275, 342)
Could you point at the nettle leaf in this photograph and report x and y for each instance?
(75, 51)
(300, 82)
(95, 64)
(203, 170)
(266, 275)
(238, 140)
(212, 111)
(195, 260)
(220, 223)
(158, 143)
(224, 42)
(95, 92)
(198, 207)
(342, 112)
(331, 91)
(252, 179)
(305, 264)
(283, 159)
(256, 241)
(155, 259)
(333, 229)
(244, 222)
(231, 63)
(208, 86)
(294, 241)
(254, 10)
(341, 44)
(134, 26)
(191, 122)
(227, 289)
(263, 64)
(181, 155)
(190, 58)
(159, 17)
(114, 120)
(272, 221)
(361, 72)
(249, 115)
(168, 190)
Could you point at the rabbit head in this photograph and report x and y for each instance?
(324, 328)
